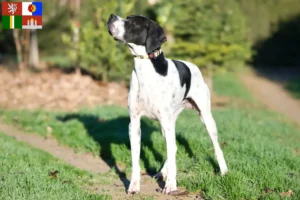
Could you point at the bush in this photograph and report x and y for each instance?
(207, 33)
(264, 16)
(98, 53)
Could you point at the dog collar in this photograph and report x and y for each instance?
(154, 54)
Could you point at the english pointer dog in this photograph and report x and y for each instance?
(160, 88)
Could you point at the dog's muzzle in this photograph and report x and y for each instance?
(110, 24)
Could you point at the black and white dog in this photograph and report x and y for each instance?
(160, 89)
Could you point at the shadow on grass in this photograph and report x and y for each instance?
(115, 131)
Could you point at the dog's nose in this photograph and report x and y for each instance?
(112, 17)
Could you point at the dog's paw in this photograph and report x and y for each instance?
(134, 187)
(224, 171)
(170, 188)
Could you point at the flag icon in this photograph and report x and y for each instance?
(11, 22)
(11, 8)
(32, 22)
(32, 8)
(22, 15)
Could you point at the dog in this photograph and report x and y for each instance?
(160, 88)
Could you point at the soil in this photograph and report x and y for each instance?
(54, 90)
(272, 94)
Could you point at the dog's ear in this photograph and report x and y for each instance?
(155, 37)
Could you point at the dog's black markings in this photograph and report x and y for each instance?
(160, 64)
(136, 24)
(184, 75)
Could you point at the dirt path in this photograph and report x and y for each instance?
(272, 95)
(149, 186)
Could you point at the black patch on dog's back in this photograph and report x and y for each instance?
(184, 75)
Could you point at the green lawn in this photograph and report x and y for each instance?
(227, 84)
(261, 148)
(26, 174)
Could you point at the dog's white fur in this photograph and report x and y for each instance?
(160, 97)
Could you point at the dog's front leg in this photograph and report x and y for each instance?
(135, 144)
(168, 127)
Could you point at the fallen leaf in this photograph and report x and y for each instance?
(177, 193)
(67, 182)
(158, 190)
(269, 190)
(53, 174)
(287, 194)
(223, 144)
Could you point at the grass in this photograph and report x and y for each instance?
(261, 148)
(24, 175)
(293, 87)
(227, 84)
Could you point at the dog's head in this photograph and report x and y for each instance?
(137, 30)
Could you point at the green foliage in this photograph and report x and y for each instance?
(215, 33)
(97, 52)
(264, 16)
(49, 40)
(207, 33)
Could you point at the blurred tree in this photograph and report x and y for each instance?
(16, 34)
(97, 51)
(212, 33)
(264, 16)
(33, 49)
(207, 33)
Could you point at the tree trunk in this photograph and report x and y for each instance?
(76, 8)
(18, 48)
(26, 43)
(34, 50)
(61, 3)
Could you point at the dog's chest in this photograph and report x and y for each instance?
(157, 94)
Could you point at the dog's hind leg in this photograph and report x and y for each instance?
(201, 102)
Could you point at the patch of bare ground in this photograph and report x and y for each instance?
(57, 91)
(272, 95)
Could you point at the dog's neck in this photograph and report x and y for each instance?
(137, 49)
(159, 63)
